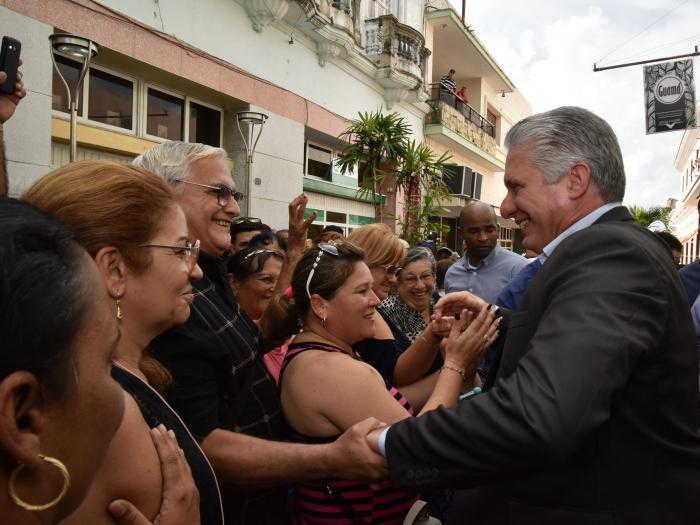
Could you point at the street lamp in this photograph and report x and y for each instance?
(255, 122)
(82, 50)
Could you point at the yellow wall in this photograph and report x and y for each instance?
(95, 137)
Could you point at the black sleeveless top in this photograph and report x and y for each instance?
(155, 410)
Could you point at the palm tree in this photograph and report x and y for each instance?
(421, 174)
(645, 216)
(390, 163)
(377, 144)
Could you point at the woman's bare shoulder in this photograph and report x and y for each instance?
(131, 470)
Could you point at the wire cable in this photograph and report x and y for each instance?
(659, 47)
(662, 17)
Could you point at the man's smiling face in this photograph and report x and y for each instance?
(206, 219)
(537, 206)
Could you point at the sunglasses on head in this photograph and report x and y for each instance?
(330, 249)
(246, 220)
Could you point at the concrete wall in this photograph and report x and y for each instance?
(223, 29)
(28, 133)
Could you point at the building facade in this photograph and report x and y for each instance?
(685, 215)
(173, 70)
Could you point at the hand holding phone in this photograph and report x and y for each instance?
(11, 86)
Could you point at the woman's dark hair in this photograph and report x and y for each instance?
(262, 240)
(43, 294)
(282, 239)
(249, 261)
(331, 272)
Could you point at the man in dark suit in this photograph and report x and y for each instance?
(589, 415)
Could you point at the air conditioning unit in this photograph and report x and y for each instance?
(463, 181)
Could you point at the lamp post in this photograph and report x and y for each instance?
(255, 122)
(82, 50)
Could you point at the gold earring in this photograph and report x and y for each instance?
(29, 506)
(120, 316)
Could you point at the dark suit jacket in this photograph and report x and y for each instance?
(592, 417)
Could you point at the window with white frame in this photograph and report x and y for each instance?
(109, 99)
(165, 114)
(106, 97)
(204, 124)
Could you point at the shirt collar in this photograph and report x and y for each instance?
(485, 261)
(579, 225)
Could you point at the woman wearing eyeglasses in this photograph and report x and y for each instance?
(253, 274)
(326, 388)
(400, 360)
(128, 221)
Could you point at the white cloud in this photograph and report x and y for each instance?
(548, 48)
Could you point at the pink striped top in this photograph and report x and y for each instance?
(343, 502)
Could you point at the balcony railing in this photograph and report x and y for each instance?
(389, 43)
(461, 118)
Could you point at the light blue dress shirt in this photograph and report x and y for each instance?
(488, 279)
(579, 225)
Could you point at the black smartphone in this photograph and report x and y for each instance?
(9, 62)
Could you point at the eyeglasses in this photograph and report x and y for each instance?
(189, 252)
(392, 269)
(224, 194)
(243, 220)
(330, 249)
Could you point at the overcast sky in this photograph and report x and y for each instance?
(548, 48)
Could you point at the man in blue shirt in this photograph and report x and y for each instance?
(486, 268)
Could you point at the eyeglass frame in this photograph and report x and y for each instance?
(222, 200)
(328, 248)
(191, 248)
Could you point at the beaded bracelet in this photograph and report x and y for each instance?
(460, 371)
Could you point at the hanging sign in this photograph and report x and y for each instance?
(670, 96)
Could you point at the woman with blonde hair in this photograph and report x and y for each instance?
(128, 221)
(400, 360)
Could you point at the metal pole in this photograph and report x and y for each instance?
(687, 55)
(464, 9)
(73, 130)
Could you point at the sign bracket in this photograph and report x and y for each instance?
(596, 69)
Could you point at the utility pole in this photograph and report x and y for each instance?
(464, 9)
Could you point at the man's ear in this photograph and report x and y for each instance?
(113, 269)
(578, 180)
(21, 417)
(319, 306)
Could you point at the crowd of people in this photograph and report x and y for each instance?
(170, 361)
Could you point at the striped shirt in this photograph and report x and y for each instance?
(343, 502)
(447, 85)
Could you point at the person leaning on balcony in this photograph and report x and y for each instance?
(448, 87)
(221, 387)
(462, 95)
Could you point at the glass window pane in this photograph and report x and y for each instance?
(205, 125)
(334, 216)
(164, 115)
(110, 99)
(59, 97)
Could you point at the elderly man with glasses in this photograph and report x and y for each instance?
(221, 387)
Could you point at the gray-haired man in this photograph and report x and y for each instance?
(221, 387)
(589, 415)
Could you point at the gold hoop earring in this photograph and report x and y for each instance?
(323, 321)
(29, 506)
(120, 316)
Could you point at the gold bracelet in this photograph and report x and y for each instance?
(460, 371)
